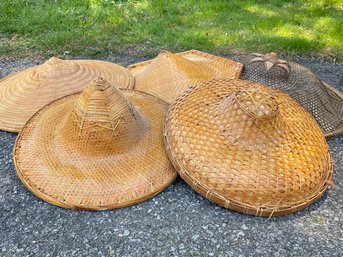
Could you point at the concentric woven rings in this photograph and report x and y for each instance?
(25, 92)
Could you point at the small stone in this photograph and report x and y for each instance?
(126, 233)
(244, 227)
(195, 237)
(181, 246)
(241, 233)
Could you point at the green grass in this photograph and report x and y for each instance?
(95, 28)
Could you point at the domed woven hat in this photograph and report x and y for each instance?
(247, 147)
(97, 150)
(168, 75)
(22, 94)
(323, 101)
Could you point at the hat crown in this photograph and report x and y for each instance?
(103, 120)
(256, 104)
(55, 68)
(170, 61)
(247, 115)
(272, 64)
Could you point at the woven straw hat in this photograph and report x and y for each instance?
(24, 93)
(168, 75)
(97, 150)
(247, 147)
(323, 101)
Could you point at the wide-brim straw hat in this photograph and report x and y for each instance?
(97, 150)
(168, 75)
(247, 147)
(323, 101)
(22, 94)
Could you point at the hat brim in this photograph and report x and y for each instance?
(21, 96)
(54, 172)
(339, 94)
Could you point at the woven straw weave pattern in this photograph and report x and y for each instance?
(24, 93)
(168, 75)
(247, 147)
(325, 104)
(99, 150)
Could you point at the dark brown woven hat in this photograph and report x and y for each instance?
(323, 101)
(100, 149)
(248, 147)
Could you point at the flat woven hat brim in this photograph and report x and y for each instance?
(199, 154)
(206, 59)
(339, 94)
(21, 96)
(67, 178)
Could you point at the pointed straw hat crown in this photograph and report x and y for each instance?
(168, 75)
(247, 147)
(99, 149)
(323, 101)
(24, 93)
(103, 120)
(55, 68)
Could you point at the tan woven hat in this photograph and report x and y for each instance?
(168, 75)
(100, 149)
(247, 147)
(323, 101)
(24, 93)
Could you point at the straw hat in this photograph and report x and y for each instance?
(97, 150)
(247, 147)
(323, 101)
(24, 93)
(168, 75)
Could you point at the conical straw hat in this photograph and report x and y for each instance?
(24, 93)
(97, 150)
(168, 75)
(247, 147)
(323, 101)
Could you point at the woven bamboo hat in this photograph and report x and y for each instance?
(247, 147)
(323, 101)
(168, 75)
(97, 150)
(24, 93)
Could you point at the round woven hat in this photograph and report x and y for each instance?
(97, 150)
(247, 147)
(323, 101)
(168, 75)
(22, 94)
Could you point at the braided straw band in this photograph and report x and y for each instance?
(100, 149)
(24, 93)
(247, 147)
(168, 75)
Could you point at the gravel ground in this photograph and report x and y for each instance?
(177, 222)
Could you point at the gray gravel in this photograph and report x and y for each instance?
(177, 222)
